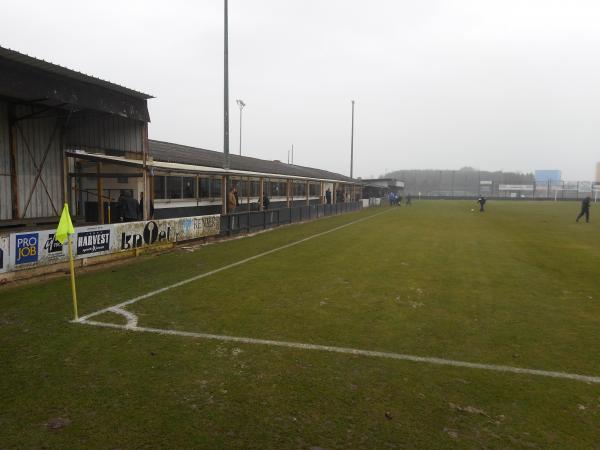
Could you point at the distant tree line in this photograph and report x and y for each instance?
(463, 182)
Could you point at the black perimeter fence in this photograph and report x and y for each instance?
(249, 221)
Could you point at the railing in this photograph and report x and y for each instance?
(249, 221)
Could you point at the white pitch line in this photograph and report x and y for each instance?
(132, 319)
(353, 351)
(220, 269)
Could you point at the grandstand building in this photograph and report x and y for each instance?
(67, 137)
(189, 181)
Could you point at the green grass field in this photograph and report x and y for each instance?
(515, 286)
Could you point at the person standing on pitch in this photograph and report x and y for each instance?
(585, 209)
(408, 199)
(481, 200)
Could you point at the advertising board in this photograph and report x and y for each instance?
(4, 255)
(32, 249)
(516, 187)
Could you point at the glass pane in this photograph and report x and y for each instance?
(204, 187)
(159, 188)
(277, 189)
(242, 187)
(299, 189)
(189, 187)
(215, 190)
(173, 187)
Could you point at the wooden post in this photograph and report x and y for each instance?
(261, 192)
(307, 193)
(322, 194)
(66, 181)
(224, 197)
(334, 194)
(145, 151)
(288, 189)
(100, 192)
(14, 185)
(249, 187)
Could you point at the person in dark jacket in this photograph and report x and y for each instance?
(128, 207)
(266, 202)
(481, 201)
(328, 196)
(585, 209)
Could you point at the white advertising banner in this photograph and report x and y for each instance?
(37, 248)
(4, 255)
(516, 187)
(585, 186)
(140, 234)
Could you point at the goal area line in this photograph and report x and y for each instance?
(349, 351)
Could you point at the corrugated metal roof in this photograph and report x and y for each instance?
(46, 66)
(183, 154)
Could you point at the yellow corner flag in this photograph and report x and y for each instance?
(65, 226)
(63, 232)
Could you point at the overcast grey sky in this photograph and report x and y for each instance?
(508, 84)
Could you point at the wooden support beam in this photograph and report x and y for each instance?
(100, 187)
(322, 194)
(261, 193)
(249, 187)
(14, 184)
(307, 193)
(288, 189)
(224, 194)
(145, 151)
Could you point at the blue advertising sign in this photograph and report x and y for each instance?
(26, 248)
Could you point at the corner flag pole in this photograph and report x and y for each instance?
(73, 290)
(63, 233)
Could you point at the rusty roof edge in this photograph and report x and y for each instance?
(57, 69)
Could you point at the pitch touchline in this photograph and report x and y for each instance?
(352, 351)
(220, 269)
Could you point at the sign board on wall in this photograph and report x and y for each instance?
(4, 246)
(516, 187)
(32, 249)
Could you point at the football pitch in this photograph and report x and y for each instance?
(430, 326)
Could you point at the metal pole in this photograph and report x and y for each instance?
(226, 93)
(292, 153)
(352, 143)
(241, 107)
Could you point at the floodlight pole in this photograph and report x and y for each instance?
(226, 93)
(352, 143)
(241, 104)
